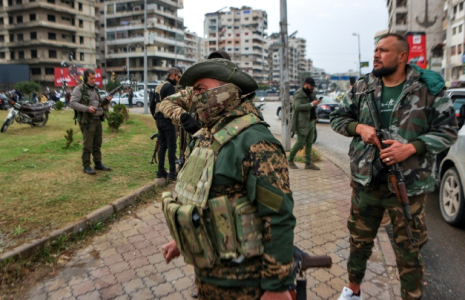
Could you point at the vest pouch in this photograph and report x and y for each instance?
(249, 229)
(170, 209)
(194, 236)
(223, 227)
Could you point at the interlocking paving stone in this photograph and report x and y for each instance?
(127, 263)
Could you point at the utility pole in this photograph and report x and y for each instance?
(146, 43)
(284, 89)
(359, 56)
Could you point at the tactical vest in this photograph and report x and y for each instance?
(205, 229)
(83, 118)
(158, 98)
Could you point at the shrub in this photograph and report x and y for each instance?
(69, 138)
(115, 119)
(121, 108)
(59, 105)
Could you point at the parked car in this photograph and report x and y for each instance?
(326, 106)
(137, 100)
(451, 173)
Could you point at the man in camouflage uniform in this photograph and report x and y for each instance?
(415, 109)
(85, 100)
(248, 169)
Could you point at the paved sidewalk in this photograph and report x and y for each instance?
(127, 263)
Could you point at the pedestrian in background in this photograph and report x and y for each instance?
(130, 96)
(67, 98)
(165, 126)
(417, 112)
(304, 123)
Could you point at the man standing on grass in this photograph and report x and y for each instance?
(85, 100)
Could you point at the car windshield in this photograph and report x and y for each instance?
(328, 100)
(458, 102)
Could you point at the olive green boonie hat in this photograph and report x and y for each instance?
(221, 69)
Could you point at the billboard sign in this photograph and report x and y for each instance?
(75, 76)
(417, 43)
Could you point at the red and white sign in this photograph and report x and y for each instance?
(417, 43)
(75, 76)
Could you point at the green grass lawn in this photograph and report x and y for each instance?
(43, 186)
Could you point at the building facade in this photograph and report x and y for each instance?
(43, 33)
(241, 33)
(420, 16)
(298, 63)
(124, 38)
(453, 55)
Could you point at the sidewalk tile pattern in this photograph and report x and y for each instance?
(126, 262)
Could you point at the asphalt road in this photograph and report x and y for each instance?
(444, 278)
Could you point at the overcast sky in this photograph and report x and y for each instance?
(327, 25)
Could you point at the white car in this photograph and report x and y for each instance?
(452, 180)
(137, 100)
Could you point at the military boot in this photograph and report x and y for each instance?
(292, 165)
(88, 170)
(101, 167)
(172, 176)
(311, 167)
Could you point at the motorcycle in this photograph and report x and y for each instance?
(27, 113)
(260, 106)
(4, 102)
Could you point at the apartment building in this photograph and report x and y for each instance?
(454, 27)
(42, 33)
(420, 16)
(194, 47)
(124, 38)
(241, 33)
(298, 63)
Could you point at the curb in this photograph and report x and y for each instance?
(85, 222)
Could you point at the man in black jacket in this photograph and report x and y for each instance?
(165, 126)
(130, 96)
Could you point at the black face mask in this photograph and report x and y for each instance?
(308, 91)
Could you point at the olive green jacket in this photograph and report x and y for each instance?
(302, 111)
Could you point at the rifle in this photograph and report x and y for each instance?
(157, 146)
(111, 93)
(302, 262)
(182, 147)
(396, 177)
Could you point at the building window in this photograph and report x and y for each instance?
(12, 55)
(461, 6)
(35, 71)
(32, 17)
(246, 33)
(21, 54)
(80, 6)
(51, 1)
(2, 54)
(238, 34)
(19, 19)
(10, 20)
(454, 31)
(52, 54)
(459, 49)
(1, 21)
(246, 48)
(81, 24)
(34, 54)
(49, 71)
(10, 2)
(52, 36)
(20, 37)
(460, 28)
(81, 56)
(51, 18)
(19, 2)
(452, 51)
(81, 40)
(12, 38)
(33, 35)
(2, 38)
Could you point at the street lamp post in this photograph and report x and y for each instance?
(359, 56)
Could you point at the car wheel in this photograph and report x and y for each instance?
(112, 103)
(451, 198)
(139, 104)
(280, 113)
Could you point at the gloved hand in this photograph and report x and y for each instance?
(189, 124)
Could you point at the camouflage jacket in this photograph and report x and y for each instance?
(172, 107)
(422, 115)
(252, 164)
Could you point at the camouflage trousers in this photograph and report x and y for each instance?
(92, 142)
(366, 213)
(214, 292)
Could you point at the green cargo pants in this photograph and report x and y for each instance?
(92, 141)
(366, 213)
(304, 140)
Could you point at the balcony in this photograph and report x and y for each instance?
(59, 26)
(44, 5)
(44, 42)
